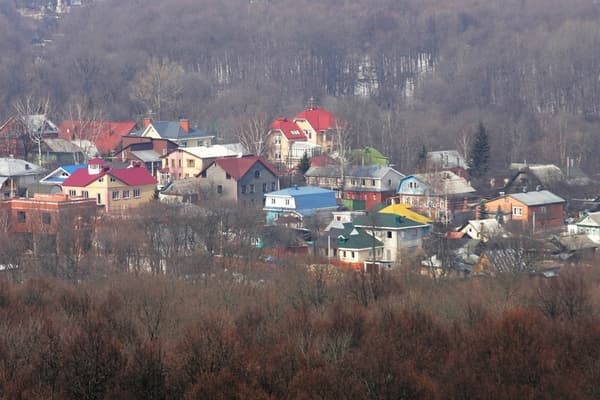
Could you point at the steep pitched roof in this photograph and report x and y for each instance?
(60, 174)
(288, 128)
(173, 130)
(445, 182)
(537, 198)
(135, 176)
(319, 118)
(237, 167)
(106, 135)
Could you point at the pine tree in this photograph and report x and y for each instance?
(304, 164)
(479, 154)
(422, 158)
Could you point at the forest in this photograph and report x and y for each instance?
(401, 74)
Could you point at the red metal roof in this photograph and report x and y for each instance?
(319, 118)
(237, 167)
(106, 135)
(289, 129)
(135, 176)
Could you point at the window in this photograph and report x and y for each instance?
(85, 194)
(272, 186)
(72, 193)
(227, 176)
(344, 253)
(543, 210)
(362, 182)
(101, 180)
(264, 188)
(257, 174)
(46, 218)
(287, 202)
(243, 188)
(295, 132)
(272, 201)
(252, 188)
(220, 189)
(125, 194)
(115, 195)
(166, 163)
(21, 217)
(179, 163)
(390, 235)
(172, 163)
(112, 179)
(352, 254)
(277, 139)
(191, 163)
(517, 211)
(99, 198)
(136, 193)
(203, 174)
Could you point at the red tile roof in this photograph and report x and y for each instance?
(289, 129)
(237, 167)
(135, 176)
(319, 118)
(106, 135)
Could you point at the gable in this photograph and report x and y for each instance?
(413, 186)
(151, 132)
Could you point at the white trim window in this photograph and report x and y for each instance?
(125, 194)
(517, 211)
(116, 195)
(136, 193)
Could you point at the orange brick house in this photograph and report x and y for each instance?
(536, 210)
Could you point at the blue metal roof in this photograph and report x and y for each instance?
(73, 167)
(309, 198)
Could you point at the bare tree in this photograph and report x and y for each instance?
(252, 134)
(159, 86)
(31, 114)
(87, 123)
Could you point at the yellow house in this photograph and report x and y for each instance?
(114, 188)
(187, 162)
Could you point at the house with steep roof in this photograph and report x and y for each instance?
(114, 188)
(287, 143)
(447, 160)
(319, 126)
(292, 205)
(483, 229)
(242, 180)
(60, 174)
(104, 136)
(57, 151)
(16, 175)
(363, 186)
(398, 234)
(16, 135)
(181, 132)
(536, 210)
(148, 151)
(351, 246)
(442, 196)
(588, 225)
(530, 177)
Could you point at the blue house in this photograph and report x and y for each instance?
(290, 206)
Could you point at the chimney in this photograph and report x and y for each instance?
(185, 125)
(147, 121)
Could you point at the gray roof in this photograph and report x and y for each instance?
(146, 155)
(16, 167)
(537, 198)
(446, 182)
(172, 130)
(59, 145)
(447, 159)
(368, 171)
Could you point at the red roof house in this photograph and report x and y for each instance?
(319, 118)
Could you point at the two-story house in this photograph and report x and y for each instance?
(442, 196)
(351, 246)
(243, 180)
(186, 162)
(535, 210)
(398, 234)
(114, 188)
(319, 125)
(290, 206)
(287, 143)
(362, 188)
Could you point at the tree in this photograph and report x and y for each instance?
(159, 86)
(479, 155)
(304, 164)
(422, 159)
(31, 115)
(252, 134)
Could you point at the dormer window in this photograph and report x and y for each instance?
(295, 132)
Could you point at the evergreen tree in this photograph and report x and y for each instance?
(304, 164)
(422, 158)
(479, 154)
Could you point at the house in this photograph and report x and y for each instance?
(242, 180)
(287, 143)
(588, 225)
(48, 215)
(16, 175)
(179, 132)
(60, 174)
(57, 151)
(17, 133)
(443, 196)
(536, 210)
(104, 136)
(148, 151)
(292, 205)
(397, 233)
(318, 125)
(362, 188)
(529, 177)
(114, 188)
(351, 246)
(447, 160)
(185, 162)
(483, 229)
